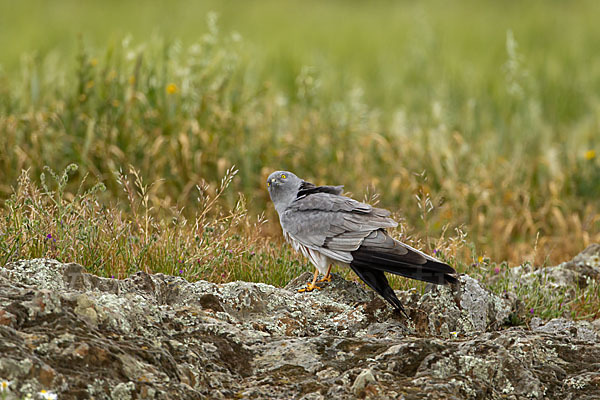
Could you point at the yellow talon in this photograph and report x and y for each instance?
(327, 277)
(309, 288)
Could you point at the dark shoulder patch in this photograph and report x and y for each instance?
(307, 188)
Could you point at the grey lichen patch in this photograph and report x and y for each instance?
(42, 273)
(43, 303)
(483, 307)
(583, 384)
(581, 330)
(123, 391)
(129, 312)
(474, 299)
(466, 309)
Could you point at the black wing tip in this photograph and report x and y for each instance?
(398, 307)
(431, 272)
(377, 281)
(440, 266)
(443, 271)
(390, 296)
(401, 313)
(449, 279)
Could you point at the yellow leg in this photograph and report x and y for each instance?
(312, 285)
(327, 277)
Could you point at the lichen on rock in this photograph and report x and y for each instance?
(161, 337)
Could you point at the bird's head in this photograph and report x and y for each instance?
(283, 188)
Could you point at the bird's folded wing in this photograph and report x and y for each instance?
(332, 224)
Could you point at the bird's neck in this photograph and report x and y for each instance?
(281, 207)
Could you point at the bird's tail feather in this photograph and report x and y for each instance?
(430, 271)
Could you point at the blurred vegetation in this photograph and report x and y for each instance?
(477, 123)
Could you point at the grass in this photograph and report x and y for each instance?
(216, 244)
(481, 137)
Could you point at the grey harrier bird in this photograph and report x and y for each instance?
(329, 228)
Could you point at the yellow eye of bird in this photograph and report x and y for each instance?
(283, 176)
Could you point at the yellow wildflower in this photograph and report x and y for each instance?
(89, 85)
(172, 88)
(132, 79)
(94, 62)
(590, 154)
(111, 75)
(480, 259)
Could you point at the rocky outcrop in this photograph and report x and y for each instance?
(569, 276)
(161, 337)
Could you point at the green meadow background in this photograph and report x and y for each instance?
(476, 122)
